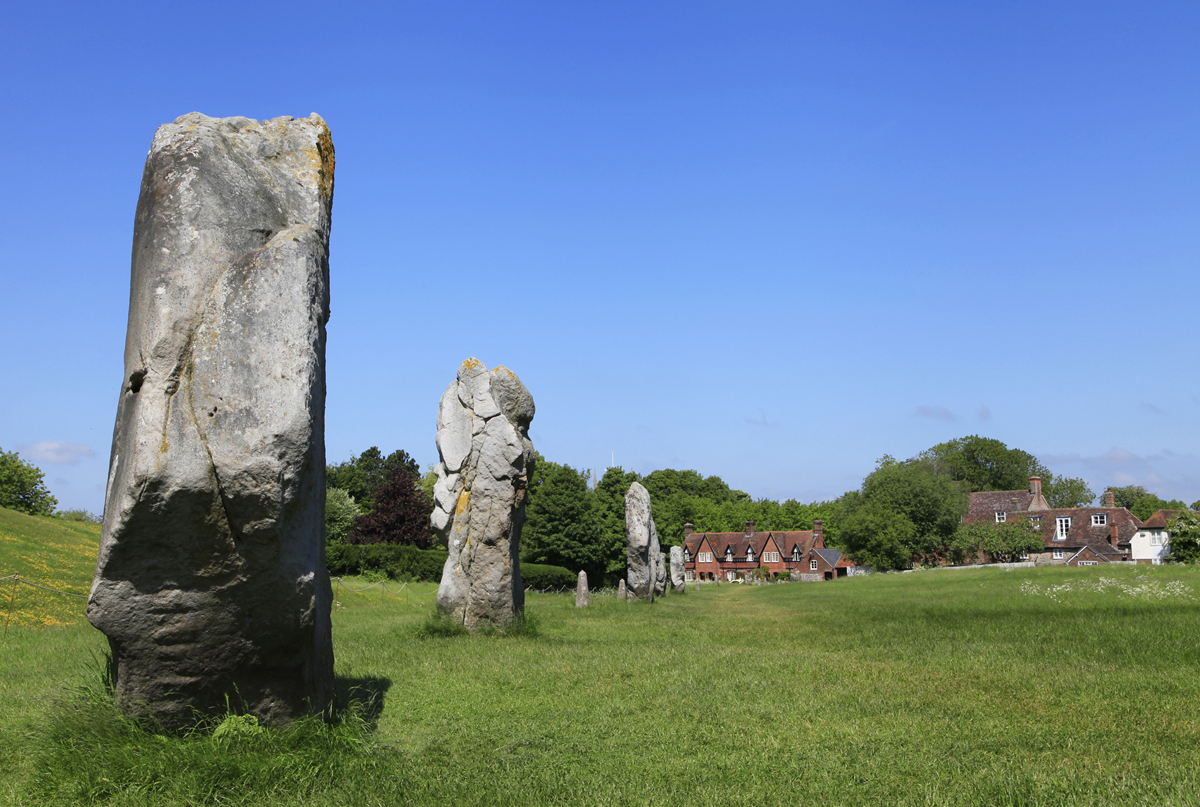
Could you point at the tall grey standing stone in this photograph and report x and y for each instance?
(678, 580)
(211, 583)
(480, 494)
(582, 595)
(641, 544)
(621, 591)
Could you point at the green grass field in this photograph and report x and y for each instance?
(1031, 687)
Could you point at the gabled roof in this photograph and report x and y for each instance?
(830, 556)
(1088, 551)
(984, 504)
(1107, 538)
(1159, 520)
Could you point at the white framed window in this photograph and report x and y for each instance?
(812, 564)
(1058, 554)
(771, 557)
(729, 555)
(1155, 538)
(687, 556)
(1099, 519)
(795, 553)
(749, 555)
(1062, 527)
(1001, 516)
(689, 576)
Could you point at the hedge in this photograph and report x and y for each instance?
(542, 577)
(398, 561)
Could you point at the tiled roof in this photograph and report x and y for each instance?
(984, 504)
(1159, 520)
(1109, 538)
(830, 556)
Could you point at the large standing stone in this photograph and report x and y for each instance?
(480, 493)
(211, 581)
(582, 595)
(641, 544)
(678, 580)
(660, 575)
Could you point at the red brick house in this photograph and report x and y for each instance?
(736, 555)
(1106, 531)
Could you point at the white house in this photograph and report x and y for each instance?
(1151, 543)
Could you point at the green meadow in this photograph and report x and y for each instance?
(991, 687)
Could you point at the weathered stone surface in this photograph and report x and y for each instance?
(641, 544)
(582, 595)
(696, 584)
(678, 580)
(480, 493)
(621, 594)
(660, 574)
(211, 579)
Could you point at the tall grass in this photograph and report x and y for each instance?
(924, 689)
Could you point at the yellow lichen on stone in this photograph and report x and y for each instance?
(471, 363)
(464, 499)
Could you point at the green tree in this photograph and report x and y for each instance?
(1067, 491)
(1128, 495)
(1184, 530)
(22, 488)
(561, 527)
(905, 512)
(340, 515)
(362, 476)
(982, 463)
(1150, 504)
(1002, 543)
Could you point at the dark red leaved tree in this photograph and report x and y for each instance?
(400, 516)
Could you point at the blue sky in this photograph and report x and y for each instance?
(772, 242)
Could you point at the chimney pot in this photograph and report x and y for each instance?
(688, 529)
(749, 528)
(1110, 498)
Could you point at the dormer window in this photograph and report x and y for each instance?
(749, 555)
(795, 553)
(1001, 516)
(728, 555)
(1062, 527)
(1099, 519)
(687, 556)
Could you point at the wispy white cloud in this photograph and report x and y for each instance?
(57, 452)
(935, 412)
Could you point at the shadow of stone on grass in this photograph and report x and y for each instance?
(368, 691)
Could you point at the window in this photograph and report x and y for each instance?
(1099, 519)
(1058, 554)
(749, 555)
(812, 564)
(770, 557)
(1063, 527)
(1155, 538)
(689, 576)
(728, 555)
(706, 557)
(687, 556)
(795, 553)
(1001, 516)
(1035, 519)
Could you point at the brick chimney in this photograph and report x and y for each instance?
(688, 529)
(1038, 501)
(749, 528)
(1110, 498)
(818, 533)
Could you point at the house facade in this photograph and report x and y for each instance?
(1107, 532)
(1152, 543)
(732, 556)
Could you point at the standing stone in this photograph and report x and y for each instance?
(641, 544)
(582, 595)
(660, 575)
(678, 579)
(480, 494)
(621, 591)
(211, 583)
(697, 584)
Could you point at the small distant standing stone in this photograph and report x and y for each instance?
(621, 590)
(581, 591)
(697, 584)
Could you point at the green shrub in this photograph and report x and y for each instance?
(543, 577)
(397, 561)
(85, 516)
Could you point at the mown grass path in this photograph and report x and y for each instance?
(948, 687)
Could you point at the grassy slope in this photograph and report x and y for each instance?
(930, 688)
(52, 552)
